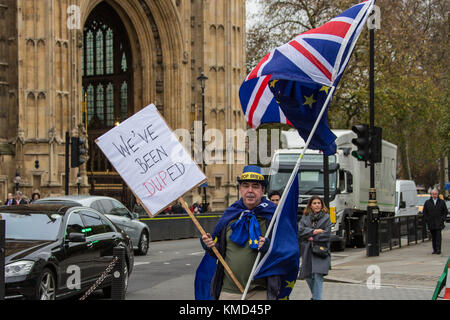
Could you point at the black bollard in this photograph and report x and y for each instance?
(118, 277)
(2, 259)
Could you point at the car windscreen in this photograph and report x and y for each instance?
(35, 226)
(421, 200)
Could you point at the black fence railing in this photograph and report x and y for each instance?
(392, 230)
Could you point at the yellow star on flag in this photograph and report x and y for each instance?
(290, 284)
(309, 101)
(325, 88)
(272, 83)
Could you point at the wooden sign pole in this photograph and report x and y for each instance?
(214, 249)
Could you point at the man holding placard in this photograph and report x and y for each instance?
(238, 237)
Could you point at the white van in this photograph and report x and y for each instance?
(405, 198)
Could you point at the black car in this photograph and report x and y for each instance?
(56, 251)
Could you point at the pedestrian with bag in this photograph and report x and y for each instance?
(434, 212)
(314, 234)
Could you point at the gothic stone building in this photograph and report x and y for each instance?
(80, 66)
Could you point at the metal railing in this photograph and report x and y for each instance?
(392, 230)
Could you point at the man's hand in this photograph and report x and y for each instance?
(261, 242)
(318, 231)
(208, 240)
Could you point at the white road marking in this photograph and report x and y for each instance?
(140, 263)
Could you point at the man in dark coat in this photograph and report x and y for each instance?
(434, 213)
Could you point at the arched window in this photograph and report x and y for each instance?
(107, 77)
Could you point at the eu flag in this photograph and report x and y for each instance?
(302, 103)
(203, 276)
(283, 256)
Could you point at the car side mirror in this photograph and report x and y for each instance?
(402, 204)
(134, 215)
(77, 237)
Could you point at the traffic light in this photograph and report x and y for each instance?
(375, 145)
(362, 142)
(78, 152)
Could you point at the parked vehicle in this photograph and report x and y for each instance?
(117, 213)
(447, 203)
(46, 245)
(405, 198)
(349, 182)
(421, 198)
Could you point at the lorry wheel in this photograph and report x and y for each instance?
(343, 235)
(361, 240)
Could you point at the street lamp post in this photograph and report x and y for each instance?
(202, 80)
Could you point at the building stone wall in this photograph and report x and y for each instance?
(172, 42)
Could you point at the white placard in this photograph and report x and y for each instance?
(150, 159)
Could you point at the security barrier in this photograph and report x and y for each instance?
(179, 226)
(118, 285)
(118, 276)
(392, 229)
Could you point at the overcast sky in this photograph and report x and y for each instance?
(251, 7)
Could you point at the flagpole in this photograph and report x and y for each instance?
(288, 186)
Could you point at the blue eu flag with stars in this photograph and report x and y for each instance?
(302, 103)
(283, 256)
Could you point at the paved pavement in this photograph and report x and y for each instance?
(406, 273)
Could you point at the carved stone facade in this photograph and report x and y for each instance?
(171, 41)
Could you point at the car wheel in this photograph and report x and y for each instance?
(143, 243)
(46, 286)
(107, 291)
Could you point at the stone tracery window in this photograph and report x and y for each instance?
(105, 68)
(107, 77)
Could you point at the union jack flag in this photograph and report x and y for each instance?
(291, 83)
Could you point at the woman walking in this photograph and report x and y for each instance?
(314, 234)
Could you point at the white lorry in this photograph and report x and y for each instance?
(349, 181)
